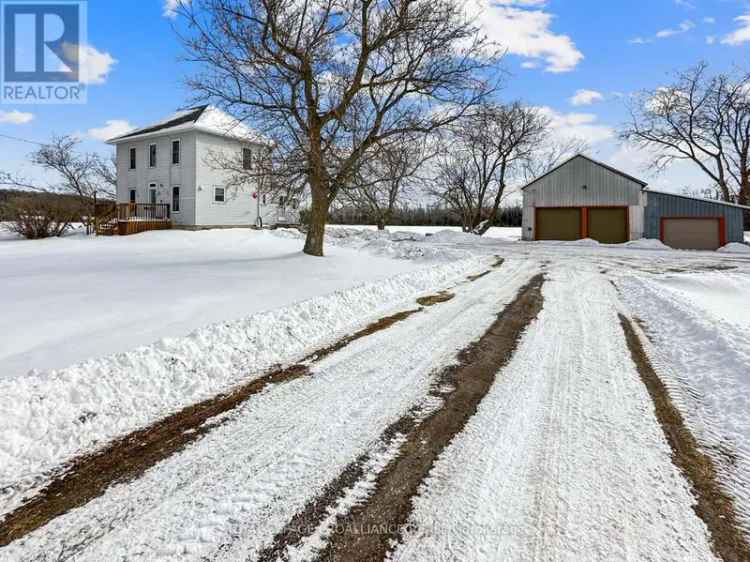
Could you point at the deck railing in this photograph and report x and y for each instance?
(142, 212)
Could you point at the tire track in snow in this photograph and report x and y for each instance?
(714, 506)
(243, 482)
(564, 459)
(703, 362)
(87, 477)
(388, 508)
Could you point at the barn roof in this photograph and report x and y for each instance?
(702, 199)
(602, 164)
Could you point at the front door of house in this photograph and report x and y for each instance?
(152, 194)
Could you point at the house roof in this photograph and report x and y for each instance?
(705, 200)
(602, 164)
(205, 118)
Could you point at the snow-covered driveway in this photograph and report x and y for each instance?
(244, 481)
(566, 457)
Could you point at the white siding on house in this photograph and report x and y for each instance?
(564, 187)
(165, 175)
(239, 208)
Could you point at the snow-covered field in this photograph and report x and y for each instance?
(564, 460)
(69, 299)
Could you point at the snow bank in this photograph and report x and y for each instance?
(735, 248)
(646, 244)
(47, 418)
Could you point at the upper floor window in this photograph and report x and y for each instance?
(132, 158)
(219, 194)
(152, 156)
(247, 159)
(176, 152)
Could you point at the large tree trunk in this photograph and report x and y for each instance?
(318, 218)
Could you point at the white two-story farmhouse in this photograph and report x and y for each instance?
(167, 174)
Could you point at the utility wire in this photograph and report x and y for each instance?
(21, 140)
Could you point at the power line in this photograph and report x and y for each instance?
(21, 140)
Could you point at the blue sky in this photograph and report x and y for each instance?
(605, 50)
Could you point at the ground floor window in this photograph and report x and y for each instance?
(176, 199)
(219, 194)
(132, 195)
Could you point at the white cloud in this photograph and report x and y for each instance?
(111, 128)
(684, 27)
(709, 20)
(15, 117)
(710, 39)
(527, 33)
(530, 64)
(639, 41)
(582, 126)
(94, 65)
(586, 97)
(741, 35)
(170, 7)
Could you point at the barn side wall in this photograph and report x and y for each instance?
(667, 205)
(564, 188)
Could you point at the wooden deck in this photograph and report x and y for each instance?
(132, 218)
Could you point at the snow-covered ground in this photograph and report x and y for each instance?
(507, 233)
(527, 479)
(564, 460)
(699, 324)
(246, 479)
(69, 299)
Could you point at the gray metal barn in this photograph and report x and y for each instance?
(583, 198)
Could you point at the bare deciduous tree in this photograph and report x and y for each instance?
(329, 79)
(268, 171)
(482, 152)
(385, 177)
(80, 174)
(699, 118)
(550, 154)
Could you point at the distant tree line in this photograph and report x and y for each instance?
(417, 215)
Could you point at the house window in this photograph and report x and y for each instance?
(247, 159)
(293, 204)
(264, 198)
(282, 200)
(176, 199)
(132, 195)
(175, 152)
(219, 194)
(152, 156)
(152, 193)
(132, 159)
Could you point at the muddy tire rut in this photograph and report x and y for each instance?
(367, 531)
(713, 505)
(125, 459)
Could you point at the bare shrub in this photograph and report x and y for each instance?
(40, 215)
